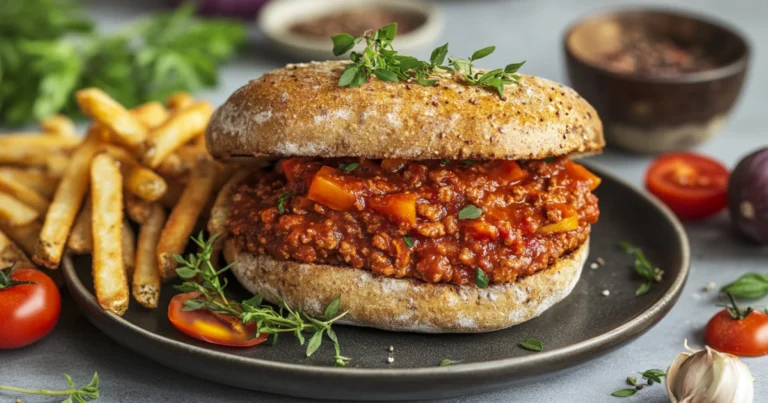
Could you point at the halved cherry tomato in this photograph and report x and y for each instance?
(205, 325)
(399, 207)
(691, 185)
(327, 190)
(29, 307)
(745, 337)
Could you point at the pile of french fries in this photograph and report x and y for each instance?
(60, 193)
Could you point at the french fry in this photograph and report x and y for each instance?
(172, 194)
(81, 238)
(11, 254)
(129, 249)
(29, 156)
(179, 129)
(151, 114)
(25, 236)
(126, 129)
(39, 142)
(66, 203)
(23, 193)
(56, 164)
(139, 180)
(184, 215)
(14, 212)
(59, 125)
(138, 209)
(179, 101)
(146, 277)
(172, 167)
(109, 277)
(39, 180)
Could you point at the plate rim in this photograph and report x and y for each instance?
(628, 330)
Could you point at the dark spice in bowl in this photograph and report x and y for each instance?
(641, 53)
(357, 21)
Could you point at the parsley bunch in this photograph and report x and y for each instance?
(48, 50)
(268, 319)
(381, 59)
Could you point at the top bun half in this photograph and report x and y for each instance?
(299, 110)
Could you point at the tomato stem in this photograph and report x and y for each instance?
(48, 392)
(736, 312)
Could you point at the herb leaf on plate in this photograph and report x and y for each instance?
(532, 344)
(643, 267)
(750, 285)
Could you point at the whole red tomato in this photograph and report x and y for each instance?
(29, 307)
(746, 336)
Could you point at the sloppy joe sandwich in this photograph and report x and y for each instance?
(427, 208)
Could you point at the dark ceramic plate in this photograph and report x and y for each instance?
(580, 328)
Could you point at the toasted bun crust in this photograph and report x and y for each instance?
(299, 110)
(407, 304)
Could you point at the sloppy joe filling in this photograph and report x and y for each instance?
(439, 221)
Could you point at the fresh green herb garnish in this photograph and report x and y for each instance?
(408, 241)
(281, 201)
(643, 267)
(447, 361)
(470, 212)
(532, 344)
(750, 285)
(74, 394)
(632, 380)
(47, 52)
(349, 167)
(654, 375)
(445, 161)
(624, 392)
(253, 310)
(468, 162)
(549, 160)
(481, 279)
(380, 59)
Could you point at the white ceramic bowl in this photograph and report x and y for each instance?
(277, 17)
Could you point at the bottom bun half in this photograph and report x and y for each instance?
(406, 304)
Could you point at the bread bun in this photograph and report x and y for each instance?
(300, 110)
(407, 304)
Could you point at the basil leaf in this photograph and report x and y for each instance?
(446, 361)
(482, 53)
(385, 75)
(624, 392)
(481, 279)
(470, 212)
(532, 344)
(408, 241)
(333, 308)
(750, 285)
(342, 43)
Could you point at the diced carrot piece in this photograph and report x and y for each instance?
(580, 173)
(326, 189)
(393, 164)
(509, 171)
(400, 207)
(567, 224)
(289, 168)
(480, 231)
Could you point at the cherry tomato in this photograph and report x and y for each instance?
(29, 307)
(691, 185)
(207, 326)
(746, 337)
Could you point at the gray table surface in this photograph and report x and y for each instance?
(523, 29)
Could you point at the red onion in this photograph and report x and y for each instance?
(228, 8)
(748, 196)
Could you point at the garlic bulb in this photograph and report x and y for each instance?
(709, 376)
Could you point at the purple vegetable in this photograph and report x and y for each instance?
(227, 8)
(748, 196)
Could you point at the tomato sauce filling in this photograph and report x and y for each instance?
(439, 221)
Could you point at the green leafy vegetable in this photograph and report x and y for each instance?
(408, 241)
(750, 285)
(379, 58)
(481, 279)
(73, 394)
(267, 319)
(624, 392)
(349, 167)
(281, 201)
(643, 267)
(532, 344)
(47, 52)
(470, 212)
(654, 374)
(447, 361)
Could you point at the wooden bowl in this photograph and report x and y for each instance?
(653, 113)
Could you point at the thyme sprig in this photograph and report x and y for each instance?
(643, 267)
(268, 319)
(379, 58)
(73, 394)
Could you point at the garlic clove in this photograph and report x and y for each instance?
(709, 376)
